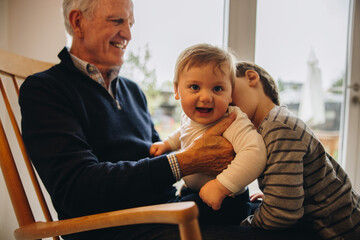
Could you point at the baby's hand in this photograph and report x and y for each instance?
(159, 148)
(213, 194)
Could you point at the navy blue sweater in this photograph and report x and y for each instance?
(91, 156)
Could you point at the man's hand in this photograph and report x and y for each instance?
(210, 153)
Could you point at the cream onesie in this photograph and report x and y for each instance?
(250, 158)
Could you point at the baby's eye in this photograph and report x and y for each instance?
(194, 87)
(218, 89)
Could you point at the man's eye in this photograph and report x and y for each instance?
(218, 89)
(117, 21)
(194, 87)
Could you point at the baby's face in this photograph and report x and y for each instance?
(204, 92)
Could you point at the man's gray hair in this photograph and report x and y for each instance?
(87, 8)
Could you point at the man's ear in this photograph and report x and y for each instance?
(253, 77)
(177, 96)
(75, 18)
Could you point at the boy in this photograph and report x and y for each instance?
(301, 181)
(203, 82)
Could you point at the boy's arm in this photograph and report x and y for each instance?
(282, 182)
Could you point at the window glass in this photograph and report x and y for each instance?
(161, 31)
(302, 44)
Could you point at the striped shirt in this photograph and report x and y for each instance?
(302, 182)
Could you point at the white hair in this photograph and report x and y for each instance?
(87, 8)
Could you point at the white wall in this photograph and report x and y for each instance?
(32, 28)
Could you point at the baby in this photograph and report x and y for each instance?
(204, 82)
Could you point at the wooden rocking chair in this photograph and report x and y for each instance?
(13, 70)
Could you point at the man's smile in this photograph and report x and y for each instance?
(120, 45)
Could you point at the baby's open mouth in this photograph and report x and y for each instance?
(204, 110)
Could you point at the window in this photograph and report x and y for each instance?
(161, 31)
(306, 55)
(291, 39)
(330, 31)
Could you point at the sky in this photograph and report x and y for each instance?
(287, 30)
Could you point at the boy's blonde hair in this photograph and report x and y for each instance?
(268, 83)
(202, 54)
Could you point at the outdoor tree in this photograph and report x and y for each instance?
(136, 67)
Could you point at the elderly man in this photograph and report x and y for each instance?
(88, 131)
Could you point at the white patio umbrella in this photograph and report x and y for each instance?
(312, 106)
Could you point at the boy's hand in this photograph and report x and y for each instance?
(256, 196)
(213, 194)
(159, 148)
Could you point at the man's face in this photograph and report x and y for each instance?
(106, 35)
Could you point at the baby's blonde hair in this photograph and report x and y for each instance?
(202, 54)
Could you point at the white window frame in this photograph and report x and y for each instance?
(239, 35)
(351, 143)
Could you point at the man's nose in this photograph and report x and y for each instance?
(125, 32)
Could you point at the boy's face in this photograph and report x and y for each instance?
(244, 96)
(204, 92)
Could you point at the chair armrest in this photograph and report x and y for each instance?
(182, 213)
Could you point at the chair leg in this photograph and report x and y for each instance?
(190, 230)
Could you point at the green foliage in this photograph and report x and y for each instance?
(280, 85)
(337, 86)
(136, 67)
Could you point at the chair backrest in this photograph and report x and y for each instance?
(13, 70)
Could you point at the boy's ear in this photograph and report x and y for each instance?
(75, 18)
(177, 97)
(253, 76)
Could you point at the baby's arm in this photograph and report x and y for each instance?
(213, 194)
(159, 148)
(250, 159)
(171, 143)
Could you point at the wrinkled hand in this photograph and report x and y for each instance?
(213, 194)
(159, 148)
(210, 153)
